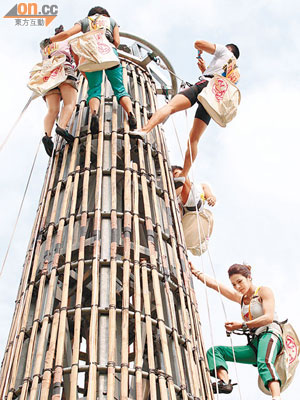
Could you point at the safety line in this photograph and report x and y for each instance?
(16, 122)
(20, 209)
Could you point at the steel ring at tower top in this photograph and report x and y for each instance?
(142, 43)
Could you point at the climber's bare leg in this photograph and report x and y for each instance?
(196, 132)
(178, 103)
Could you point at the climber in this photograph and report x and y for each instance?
(259, 316)
(197, 221)
(192, 197)
(223, 56)
(97, 18)
(66, 91)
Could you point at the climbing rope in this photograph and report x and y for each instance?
(32, 97)
(22, 203)
(20, 209)
(157, 60)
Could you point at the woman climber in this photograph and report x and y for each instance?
(192, 197)
(66, 91)
(97, 18)
(259, 316)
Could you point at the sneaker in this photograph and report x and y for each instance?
(223, 387)
(94, 124)
(132, 121)
(179, 181)
(65, 134)
(48, 144)
(138, 134)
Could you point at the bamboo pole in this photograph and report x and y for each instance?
(113, 264)
(149, 333)
(126, 255)
(47, 373)
(126, 270)
(137, 289)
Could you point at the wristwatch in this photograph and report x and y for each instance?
(244, 326)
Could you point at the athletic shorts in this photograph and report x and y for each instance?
(192, 93)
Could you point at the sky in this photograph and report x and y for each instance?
(252, 164)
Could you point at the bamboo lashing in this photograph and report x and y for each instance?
(106, 307)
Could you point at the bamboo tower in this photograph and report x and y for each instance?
(106, 307)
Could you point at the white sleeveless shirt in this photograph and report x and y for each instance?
(254, 310)
(195, 198)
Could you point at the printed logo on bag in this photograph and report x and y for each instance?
(53, 73)
(30, 14)
(292, 348)
(219, 89)
(102, 47)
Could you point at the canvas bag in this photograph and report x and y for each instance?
(95, 52)
(47, 75)
(220, 98)
(287, 360)
(196, 243)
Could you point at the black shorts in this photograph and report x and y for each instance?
(192, 93)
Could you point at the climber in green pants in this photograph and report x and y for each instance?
(262, 353)
(259, 316)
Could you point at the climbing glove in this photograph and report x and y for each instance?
(44, 43)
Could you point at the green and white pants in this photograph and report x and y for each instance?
(262, 353)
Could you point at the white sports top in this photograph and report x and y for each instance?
(196, 194)
(254, 310)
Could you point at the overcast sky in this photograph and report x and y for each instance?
(252, 165)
